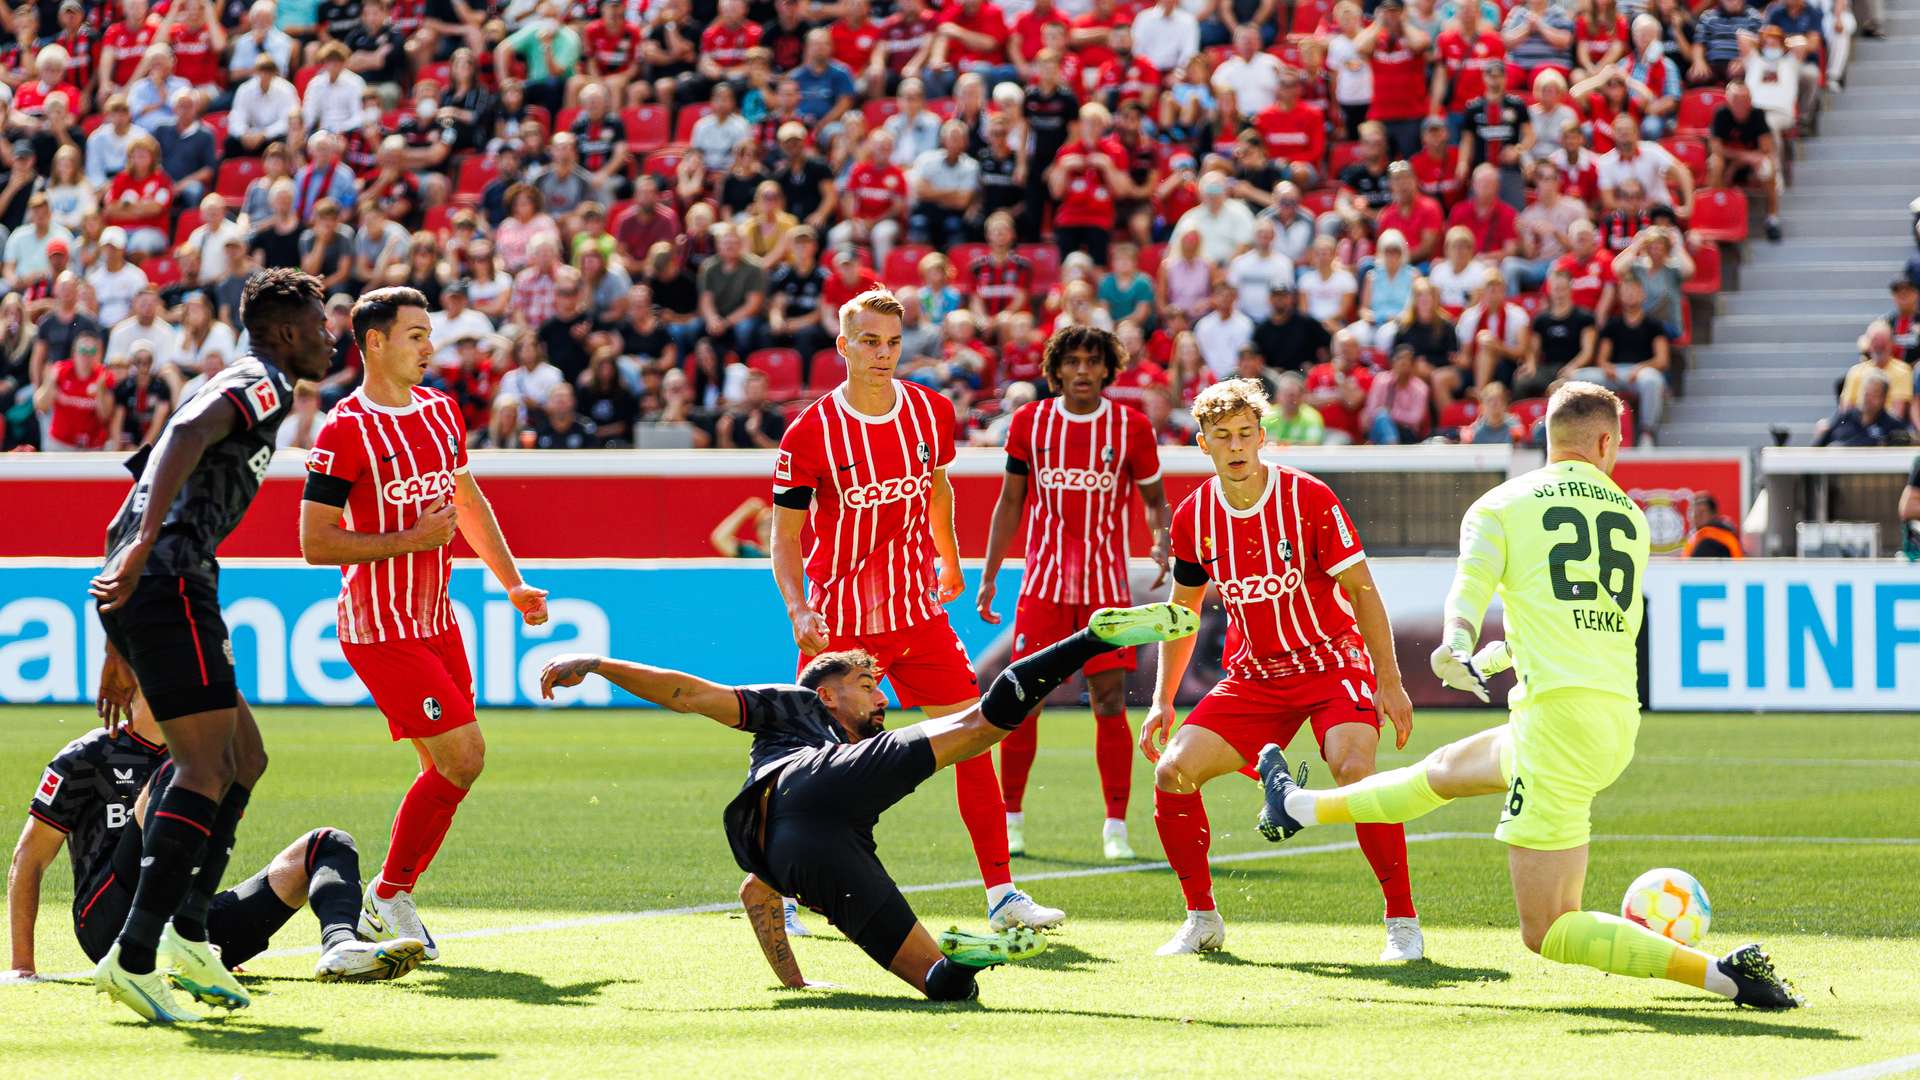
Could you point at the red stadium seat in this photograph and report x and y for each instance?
(903, 265)
(662, 163)
(1686, 327)
(217, 123)
(648, 128)
(1288, 52)
(1309, 14)
(236, 174)
(1626, 424)
(1529, 411)
(782, 369)
(475, 173)
(189, 221)
(1706, 270)
(1046, 265)
(88, 123)
(618, 213)
(689, 116)
(302, 77)
(878, 109)
(1692, 153)
(564, 122)
(1341, 155)
(438, 220)
(941, 107)
(1697, 106)
(1320, 201)
(1151, 257)
(161, 271)
(1532, 303)
(540, 113)
(828, 370)
(1460, 414)
(962, 256)
(441, 73)
(1720, 214)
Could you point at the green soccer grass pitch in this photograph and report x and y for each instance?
(566, 950)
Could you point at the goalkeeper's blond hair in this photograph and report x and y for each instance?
(1223, 399)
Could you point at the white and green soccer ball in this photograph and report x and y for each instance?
(1670, 903)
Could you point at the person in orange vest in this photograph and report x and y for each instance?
(1714, 537)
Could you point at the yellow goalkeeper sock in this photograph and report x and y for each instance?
(1612, 944)
(1390, 797)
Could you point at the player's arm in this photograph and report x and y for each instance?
(1189, 588)
(664, 687)
(38, 845)
(1006, 521)
(789, 573)
(1160, 525)
(769, 921)
(1370, 618)
(940, 511)
(172, 460)
(1482, 563)
(325, 542)
(481, 530)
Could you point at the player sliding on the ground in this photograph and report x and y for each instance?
(95, 798)
(823, 768)
(1312, 644)
(866, 467)
(1083, 456)
(387, 485)
(1566, 549)
(159, 603)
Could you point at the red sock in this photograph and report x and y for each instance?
(1184, 836)
(1386, 848)
(1113, 753)
(985, 815)
(425, 815)
(1016, 762)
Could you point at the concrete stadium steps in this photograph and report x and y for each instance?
(1783, 333)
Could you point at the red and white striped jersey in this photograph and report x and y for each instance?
(1274, 565)
(1082, 471)
(870, 565)
(390, 464)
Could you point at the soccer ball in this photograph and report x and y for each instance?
(1670, 903)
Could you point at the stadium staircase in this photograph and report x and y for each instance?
(1782, 331)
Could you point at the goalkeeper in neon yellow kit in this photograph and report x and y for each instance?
(1566, 549)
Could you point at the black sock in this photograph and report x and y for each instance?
(1026, 683)
(333, 885)
(948, 981)
(190, 921)
(176, 835)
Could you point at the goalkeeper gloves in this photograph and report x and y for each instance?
(1458, 668)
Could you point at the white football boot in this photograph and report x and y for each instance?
(1018, 909)
(391, 920)
(1204, 931)
(370, 961)
(1404, 942)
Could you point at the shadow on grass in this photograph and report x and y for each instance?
(845, 1001)
(1421, 974)
(264, 1040)
(1710, 1016)
(520, 987)
(1063, 957)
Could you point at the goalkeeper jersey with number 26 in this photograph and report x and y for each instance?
(1567, 551)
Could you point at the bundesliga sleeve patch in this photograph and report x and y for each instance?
(783, 466)
(49, 788)
(264, 398)
(320, 461)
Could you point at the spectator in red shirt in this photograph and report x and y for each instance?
(1589, 268)
(1437, 163)
(874, 201)
(1490, 220)
(1338, 389)
(1599, 37)
(78, 395)
(1397, 54)
(1463, 49)
(612, 49)
(197, 43)
(1001, 281)
(139, 198)
(857, 43)
(722, 54)
(1295, 132)
(647, 222)
(122, 48)
(1141, 375)
(1416, 216)
(1085, 178)
(971, 36)
(1122, 77)
(1028, 36)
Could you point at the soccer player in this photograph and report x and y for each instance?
(96, 794)
(387, 485)
(1084, 457)
(866, 467)
(159, 603)
(823, 768)
(1566, 549)
(1310, 642)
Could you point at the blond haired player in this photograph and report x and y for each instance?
(1312, 644)
(866, 467)
(1566, 550)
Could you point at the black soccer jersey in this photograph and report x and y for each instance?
(785, 721)
(221, 487)
(87, 792)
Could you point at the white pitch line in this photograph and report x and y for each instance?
(1890, 1067)
(1783, 763)
(618, 917)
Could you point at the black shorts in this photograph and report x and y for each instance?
(820, 846)
(240, 920)
(171, 634)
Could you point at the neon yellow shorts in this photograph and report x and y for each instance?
(1562, 748)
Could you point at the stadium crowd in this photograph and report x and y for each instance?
(1876, 401)
(636, 221)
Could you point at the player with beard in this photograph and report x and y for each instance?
(824, 768)
(158, 596)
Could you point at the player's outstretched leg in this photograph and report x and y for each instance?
(1611, 944)
(1394, 796)
(332, 861)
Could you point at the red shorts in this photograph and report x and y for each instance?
(925, 663)
(1039, 623)
(1250, 713)
(422, 685)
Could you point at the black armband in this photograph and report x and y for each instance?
(327, 490)
(1190, 574)
(1017, 467)
(794, 498)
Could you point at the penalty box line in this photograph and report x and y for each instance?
(618, 917)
